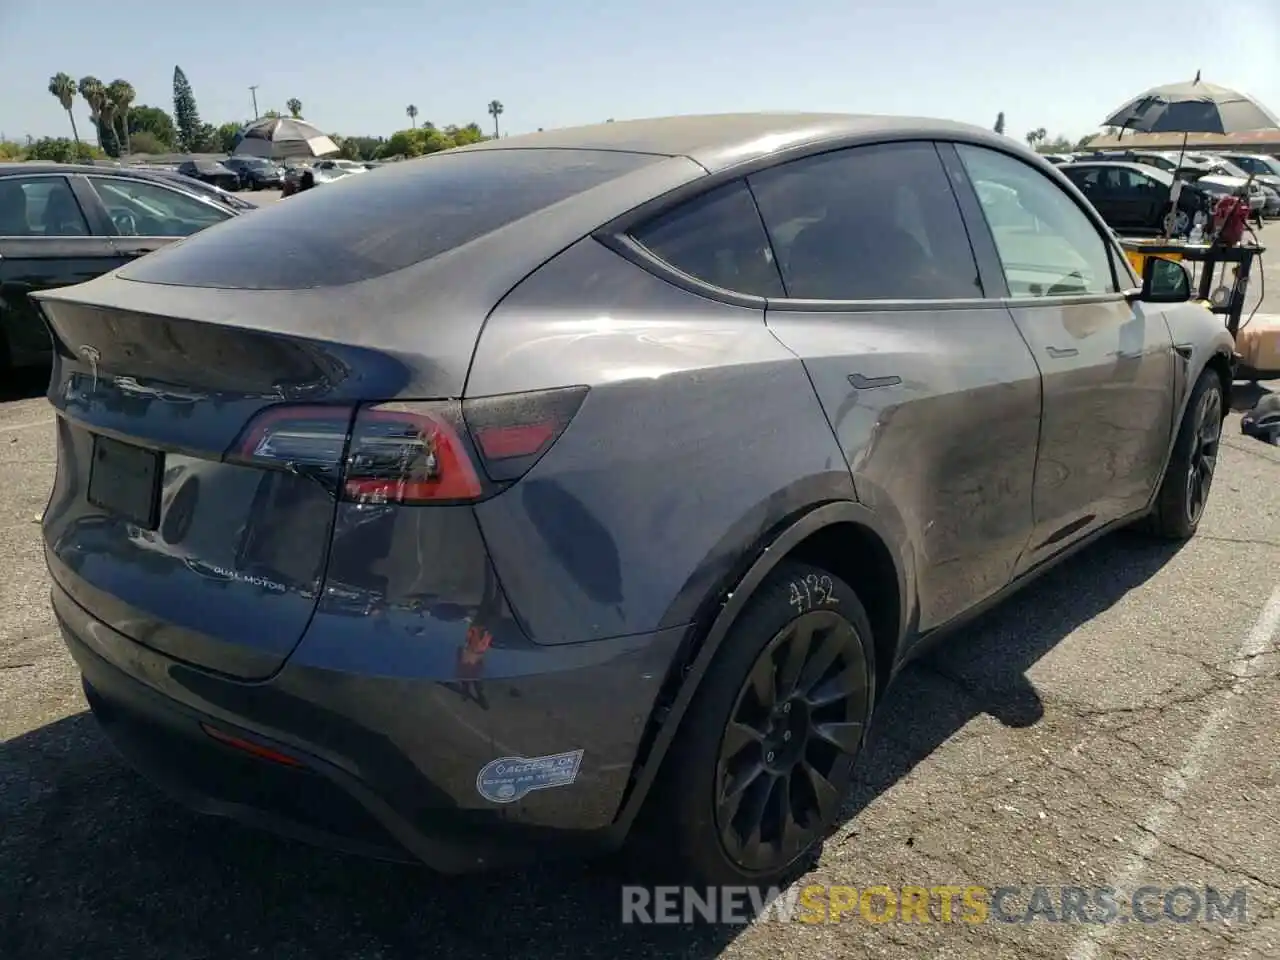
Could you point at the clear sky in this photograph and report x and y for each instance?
(356, 64)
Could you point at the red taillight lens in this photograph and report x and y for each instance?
(409, 453)
(514, 430)
(413, 452)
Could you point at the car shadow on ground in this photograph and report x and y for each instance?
(23, 384)
(96, 863)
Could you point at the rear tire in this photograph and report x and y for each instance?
(760, 767)
(1184, 492)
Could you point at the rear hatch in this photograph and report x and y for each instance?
(160, 523)
(206, 394)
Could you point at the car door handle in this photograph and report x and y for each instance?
(1061, 353)
(859, 382)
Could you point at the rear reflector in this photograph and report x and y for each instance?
(514, 430)
(247, 746)
(417, 452)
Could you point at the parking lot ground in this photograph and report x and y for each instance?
(1115, 725)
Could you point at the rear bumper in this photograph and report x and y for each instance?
(385, 766)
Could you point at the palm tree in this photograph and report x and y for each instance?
(64, 88)
(495, 111)
(295, 107)
(122, 95)
(1038, 135)
(94, 94)
(107, 114)
(412, 113)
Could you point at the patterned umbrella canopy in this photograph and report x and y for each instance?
(280, 138)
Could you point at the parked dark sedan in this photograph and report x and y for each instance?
(63, 224)
(256, 173)
(1134, 198)
(211, 171)
(593, 484)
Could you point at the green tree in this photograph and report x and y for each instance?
(999, 128)
(12, 150)
(495, 110)
(60, 150)
(462, 136)
(1036, 136)
(294, 106)
(144, 141)
(271, 115)
(225, 135)
(412, 113)
(185, 112)
(122, 95)
(207, 139)
(348, 148)
(365, 148)
(402, 143)
(64, 88)
(107, 114)
(1083, 142)
(95, 94)
(155, 122)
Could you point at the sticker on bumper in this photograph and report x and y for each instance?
(508, 779)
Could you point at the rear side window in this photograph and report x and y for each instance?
(40, 207)
(716, 238)
(366, 226)
(868, 223)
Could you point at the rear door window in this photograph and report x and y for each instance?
(868, 223)
(40, 207)
(363, 227)
(717, 238)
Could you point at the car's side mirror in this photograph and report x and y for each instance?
(1164, 281)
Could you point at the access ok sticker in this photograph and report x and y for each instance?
(508, 779)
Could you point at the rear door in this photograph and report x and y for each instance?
(145, 216)
(925, 379)
(1149, 196)
(1108, 365)
(47, 239)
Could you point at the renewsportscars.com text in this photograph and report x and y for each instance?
(880, 904)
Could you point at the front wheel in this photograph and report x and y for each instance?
(1184, 492)
(759, 770)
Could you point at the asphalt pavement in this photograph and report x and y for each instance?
(1115, 725)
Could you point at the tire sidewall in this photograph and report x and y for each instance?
(690, 782)
(1172, 517)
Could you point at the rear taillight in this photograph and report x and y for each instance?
(296, 436)
(413, 452)
(410, 453)
(514, 430)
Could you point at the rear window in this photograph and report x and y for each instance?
(361, 227)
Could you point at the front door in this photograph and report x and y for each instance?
(45, 242)
(927, 383)
(1108, 365)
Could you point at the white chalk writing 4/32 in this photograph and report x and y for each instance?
(812, 591)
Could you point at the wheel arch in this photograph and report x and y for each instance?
(843, 536)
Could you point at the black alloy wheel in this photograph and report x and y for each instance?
(791, 738)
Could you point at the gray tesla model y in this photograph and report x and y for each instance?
(593, 484)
